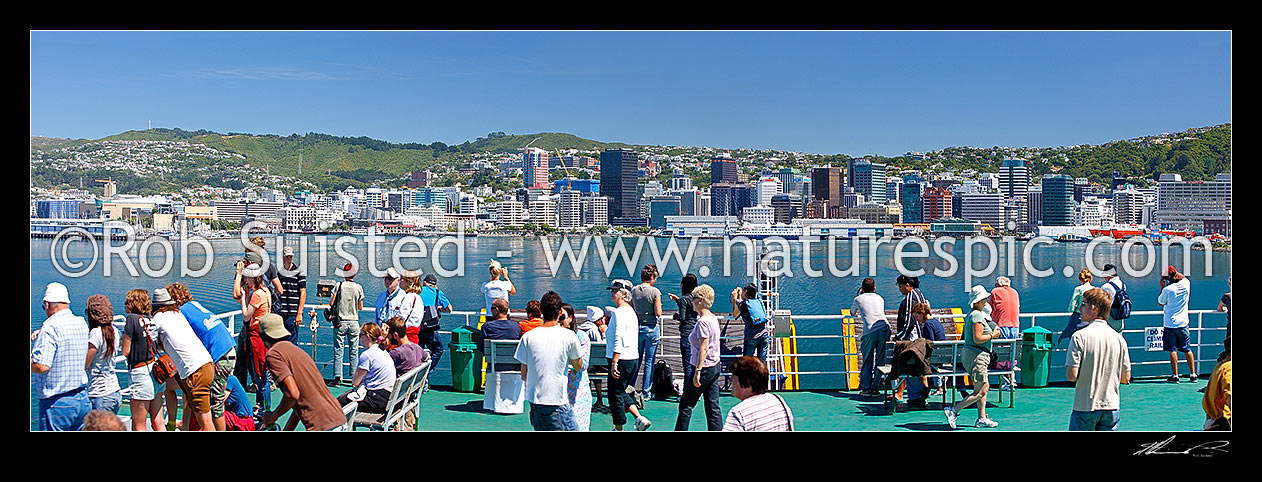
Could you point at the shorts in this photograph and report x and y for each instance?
(1010, 332)
(223, 369)
(1175, 339)
(197, 388)
(142, 384)
(980, 369)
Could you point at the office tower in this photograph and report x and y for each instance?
(1128, 206)
(768, 187)
(1034, 205)
(1058, 200)
(534, 162)
(935, 204)
(787, 207)
(985, 208)
(826, 186)
(618, 182)
(660, 207)
(679, 181)
(910, 197)
(1203, 207)
(569, 210)
(869, 180)
(1082, 187)
(723, 170)
(595, 210)
(1014, 178)
(730, 199)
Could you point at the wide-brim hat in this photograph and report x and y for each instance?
(273, 326)
(978, 293)
(594, 313)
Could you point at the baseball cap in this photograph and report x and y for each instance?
(1170, 270)
(56, 293)
(431, 279)
(273, 326)
(392, 273)
(1109, 270)
(619, 284)
(288, 251)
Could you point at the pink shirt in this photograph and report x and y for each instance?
(1005, 306)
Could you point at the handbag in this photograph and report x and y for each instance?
(330, 313)
(163, 367)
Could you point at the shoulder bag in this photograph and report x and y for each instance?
(163, 367)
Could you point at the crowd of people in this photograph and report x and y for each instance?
(173, 343)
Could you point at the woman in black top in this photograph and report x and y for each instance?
(687, 318)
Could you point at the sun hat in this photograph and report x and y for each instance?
(56, 293)
(252, 271)
(594, 313)
(977, 294)
(160, 297)
(1109, 270)
(273, 326)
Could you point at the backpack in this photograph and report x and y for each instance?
(429, 314)
(757, 314)
(663, 381)
(1121, 308)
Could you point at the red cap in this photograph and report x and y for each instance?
(1170, 270)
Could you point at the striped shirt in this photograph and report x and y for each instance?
(905, 320)
(287, 305)
(62, 346)
(760, 413)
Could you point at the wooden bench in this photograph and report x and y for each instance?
(404, 397)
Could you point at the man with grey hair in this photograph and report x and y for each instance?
(58, 352)
(1005, 307)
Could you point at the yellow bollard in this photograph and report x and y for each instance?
(850, 345)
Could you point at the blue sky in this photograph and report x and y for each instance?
(855, 93)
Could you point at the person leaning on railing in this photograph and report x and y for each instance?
(299, 381)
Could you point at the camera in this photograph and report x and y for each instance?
(324, 288)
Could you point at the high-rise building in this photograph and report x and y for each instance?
(877, 213)
(1014, 178)
(1034, 205)
(768, 187)
(1128, 206)
(510, 214)
(723, 170)
(618, 180)
(418, 179)
(569, 210)
(679, 181)
(988, 182)
(534, 163)
(893, 188)
(1082, 187)
(595, 210)
(984, 208)
(1203, 207)
(1058, 200)
(730, 199)
(1092, 211)
(585, 187)
(909, 196)
(826, 186)
(935, 204)
(660, 207)
(468, 204)
(787, 207)
(869, 180)
(689, 201)
(543, 211)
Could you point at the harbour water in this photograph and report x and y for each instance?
(527, 262)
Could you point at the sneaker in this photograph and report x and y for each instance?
(986, 423)
(642, 424)
(1192, 379)
(950, 415)
(1173, 379)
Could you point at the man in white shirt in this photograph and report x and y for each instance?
(1098, 363)
(869, 308)
(621, 348)
(1175, 293)
(545, 353)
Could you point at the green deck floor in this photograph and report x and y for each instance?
(1147, 405)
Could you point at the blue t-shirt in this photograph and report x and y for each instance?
(432, 296)
(932, 330)
(237, 401)
(212, 332)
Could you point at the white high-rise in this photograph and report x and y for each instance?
(766, 188)
(1128, 206)
(1014, 178)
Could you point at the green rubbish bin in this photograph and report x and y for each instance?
(1036, 350)
(465, 377)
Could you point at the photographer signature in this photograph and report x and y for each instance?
(1155, 448)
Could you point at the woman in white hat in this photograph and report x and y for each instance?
(978, 333)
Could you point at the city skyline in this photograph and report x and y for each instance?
(857, 93)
